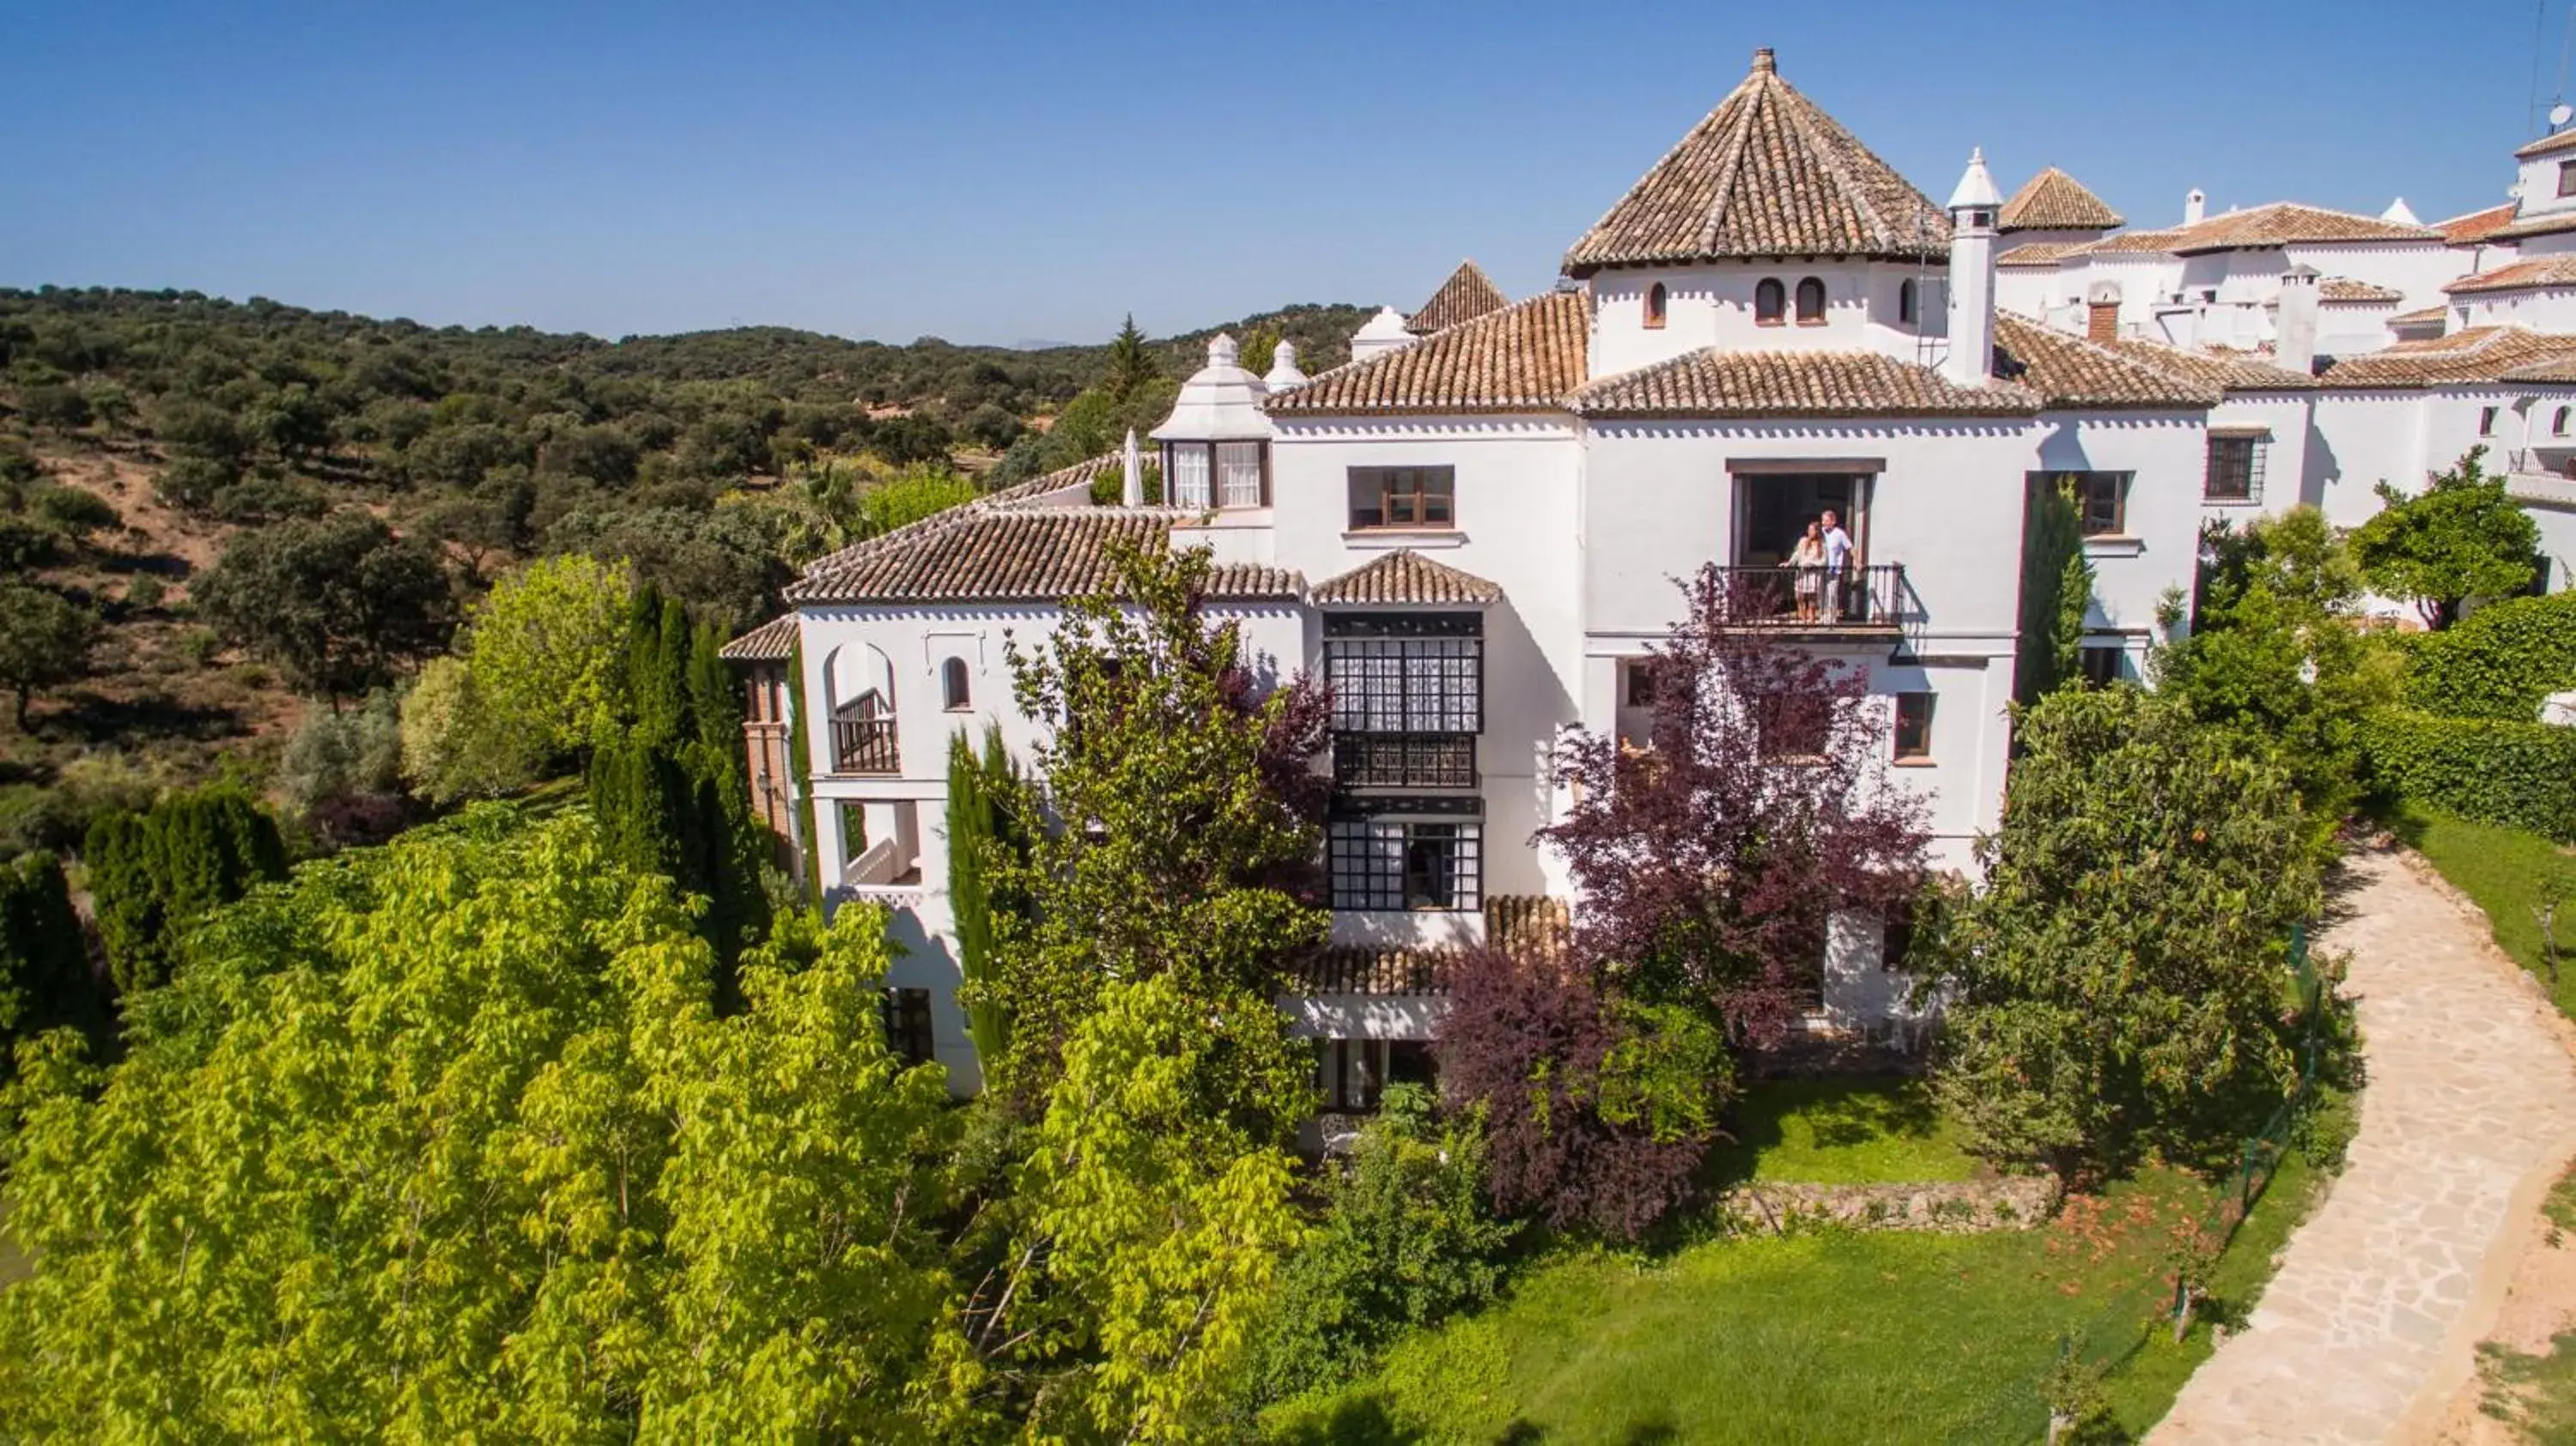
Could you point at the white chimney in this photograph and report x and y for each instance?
(2195, 207)
(2294, 326)
(1971, 358)
(1283, 375)
(1384, 332)
(1132, 494)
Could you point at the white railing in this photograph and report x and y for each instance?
(881, 875)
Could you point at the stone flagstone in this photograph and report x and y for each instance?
(2469, 1113)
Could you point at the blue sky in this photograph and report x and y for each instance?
(1012, 171)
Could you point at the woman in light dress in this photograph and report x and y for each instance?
(1807, 564)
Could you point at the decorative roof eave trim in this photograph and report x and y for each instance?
(1581, 270)
(2016, 411)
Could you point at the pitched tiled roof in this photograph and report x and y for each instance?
(997, 555)
(2476, 226)
(2056, 201)
(2043, 253)
(2070, 371)
(2541, 271)
(2227, 371)
(2548, 223)
(2344, 288)
(1716, 383)
(1523, 358)
(1767, 173)
(773, 641)
(1407, 578)
(2476, 354)
(2560, 369)
(2422, 316)
(1467, 294)
(2548, 145)
(2284, 223)
(2128, 242)
(1527, 927)
(1063, 479)
(1251, 581)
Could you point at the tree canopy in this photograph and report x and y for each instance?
(339, 604)
(2462, 537)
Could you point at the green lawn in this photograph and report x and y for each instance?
(2501, 869)
(1828, 1338)
(1842, 1132)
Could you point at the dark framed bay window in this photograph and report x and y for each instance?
(1415, 498)
(1408, 698)
(1205, 475)
(1408, 854)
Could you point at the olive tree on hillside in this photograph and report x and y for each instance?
(339, 603)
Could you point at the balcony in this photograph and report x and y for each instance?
(863, 744)
(1811, 599)
(1404, 760)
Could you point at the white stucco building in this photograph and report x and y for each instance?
(1473, 528)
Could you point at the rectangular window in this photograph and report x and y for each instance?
(907, 1025)
(1408, 497)
(1186, 467)
(1351, 1074)
(1640, 675)
(1406, 684)
(1240, 480)
(2486, 421)
(1793, 726)
(1385, 865)
(1896, 943)
(2104, 665)
(1913, 725)
(2101, 498)
(2235, 469)
(2567, 178)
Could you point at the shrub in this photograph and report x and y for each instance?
(2492, 770)
(153, 874)
(1408, 1241)
(45, 976)
(335, 757)
(2498, 662)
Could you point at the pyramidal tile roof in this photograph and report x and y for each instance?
(1467, 294)
(2056, 201)
(1767, 173)
(1523, 358)
(1406, 578)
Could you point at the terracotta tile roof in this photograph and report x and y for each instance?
(1063, 479)
(2344, 288)
(2284, 223)
(1526, 927)
(1002, 554)
(1523, 358)
(1254, 581)
(2422, 316)
(771, 642)
(2546, 224)
(2043, 253)
(2560, 369)
(1467, 294)
(2070, 371)
(2476, 354)
(2476, 226)
(2541, 271)
(2229, 371)
(2548, 145)
(2131, 242)
(2056, 201)
(1767, 173)
(1713, 382)
(1407, 578)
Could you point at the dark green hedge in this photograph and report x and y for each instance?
(2488, 769)
(45, 974)
(2498, 662)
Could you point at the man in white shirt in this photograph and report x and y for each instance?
(1838, 559)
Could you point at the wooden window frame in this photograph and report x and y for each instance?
(1919, 749)
(2085, 482)
(1772, 290)
(2234, 462)
(1658, 302)
(1805, 284)
(1391, 484)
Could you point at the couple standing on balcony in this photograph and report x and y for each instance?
(1822, 560)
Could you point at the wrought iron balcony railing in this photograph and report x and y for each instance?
(1855, 598)
(1404, 760)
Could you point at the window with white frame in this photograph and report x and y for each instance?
(1185, 475)
(1203, 475)
(1388, 865)
(1239, 467)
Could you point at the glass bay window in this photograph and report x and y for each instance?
(1203, 475)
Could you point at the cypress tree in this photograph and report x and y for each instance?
(153, 874)
(2056, 585)
(45, 976)
(975, 830)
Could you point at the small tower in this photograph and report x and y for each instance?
(1971, 358)
(1283, 375)
(2195, 207)
(1216, 442)
(1383, 333)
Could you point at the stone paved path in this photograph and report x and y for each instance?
(2470, 1111)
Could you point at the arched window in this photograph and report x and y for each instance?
(1811, 302)
(1655, 298)
(1905, 303)
(2558, 424)
(1770, 302)
(952, 686)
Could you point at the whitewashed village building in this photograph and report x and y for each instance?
(1472, 530)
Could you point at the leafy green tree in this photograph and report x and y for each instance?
(911, 496)
(2119, 983)
(2275, 657)
(45, 641)
(338, 604)
(450, 1141)
(45, 976)
(2458, 539)
(983, 837)
(1176, 846)
(2056, 591)
(545, 656)
(1159, 1196)
(153, 875)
